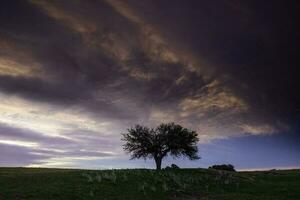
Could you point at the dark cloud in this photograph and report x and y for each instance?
(235, 38)
(23, 147)
(12, 155)
(224, 69)
(12, 133)
(252, 43)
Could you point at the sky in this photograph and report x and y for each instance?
(75, 74)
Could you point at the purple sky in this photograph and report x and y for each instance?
(76, 74)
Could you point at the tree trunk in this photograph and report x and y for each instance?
(158, 163)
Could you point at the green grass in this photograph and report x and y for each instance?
(134, 184)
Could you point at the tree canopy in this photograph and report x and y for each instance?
(166, 139)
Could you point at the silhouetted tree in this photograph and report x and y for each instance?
(170, 138)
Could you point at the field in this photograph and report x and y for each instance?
(143, 184)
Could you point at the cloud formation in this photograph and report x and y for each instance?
(74, 75)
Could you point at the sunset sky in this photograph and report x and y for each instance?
(74, 74)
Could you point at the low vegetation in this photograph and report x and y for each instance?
(135, 184)
(227, 167)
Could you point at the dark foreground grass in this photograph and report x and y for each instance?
(135, 184)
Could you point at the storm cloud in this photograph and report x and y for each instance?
(75, 74)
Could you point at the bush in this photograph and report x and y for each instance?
(173, 166)
(228, 167)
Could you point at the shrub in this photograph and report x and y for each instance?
(173, 166)
(228, 167)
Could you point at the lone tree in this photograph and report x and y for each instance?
(170, 138)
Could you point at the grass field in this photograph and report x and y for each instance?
(134, 184)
